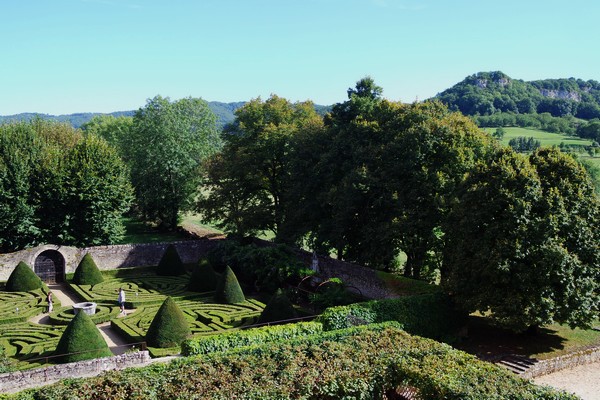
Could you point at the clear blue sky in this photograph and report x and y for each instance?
(66, 56)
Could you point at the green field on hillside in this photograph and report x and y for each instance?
(546, 138)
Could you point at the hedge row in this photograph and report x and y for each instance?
(229, 340)
(366, 365)
(429, 315)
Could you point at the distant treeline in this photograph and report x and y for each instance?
(223, 111)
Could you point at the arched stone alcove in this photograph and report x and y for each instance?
(49, 265)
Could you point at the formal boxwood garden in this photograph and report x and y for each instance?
(357, 363)
(27, 341)
(18, 307)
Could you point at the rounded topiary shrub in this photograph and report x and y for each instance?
(229, 290)
(23, 279)
(87, 272)
(279, 308)
(81, 340)
(169, 326)
(204, 277)
(170, 264)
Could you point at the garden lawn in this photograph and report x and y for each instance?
(137, 231)
(552, 340)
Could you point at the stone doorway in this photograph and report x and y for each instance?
(50, 266)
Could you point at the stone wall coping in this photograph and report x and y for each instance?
(11, 382)
(570, 360)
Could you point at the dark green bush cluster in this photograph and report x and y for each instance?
(363, 365)
(169, 326)
(81, 340)
(267, 268)
(87, 272)
(250, 337)
(428, 315)
(229, 290)
(279, 308)
(23, 279)
(170, 264)
(204, 278)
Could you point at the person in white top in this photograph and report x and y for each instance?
(121, 300)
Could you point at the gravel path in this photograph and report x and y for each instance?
(583, 380)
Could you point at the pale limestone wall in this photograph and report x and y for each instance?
(20, 380)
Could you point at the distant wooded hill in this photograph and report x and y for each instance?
(223, 111)
(486, 93)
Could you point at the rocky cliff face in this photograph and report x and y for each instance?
(560, 94)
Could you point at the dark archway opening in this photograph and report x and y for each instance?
(50, 266)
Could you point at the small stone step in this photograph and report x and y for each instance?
(517, 364)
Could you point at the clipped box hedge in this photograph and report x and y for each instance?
(369, 364)
(429, 315)
(254, 336)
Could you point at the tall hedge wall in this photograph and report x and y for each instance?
(428, 315)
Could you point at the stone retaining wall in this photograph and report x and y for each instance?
(570, 360)
(20, 380)
(363, 280)
(108, 257)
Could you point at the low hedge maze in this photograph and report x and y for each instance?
(18, 307)
(26, 341)
(204, 317)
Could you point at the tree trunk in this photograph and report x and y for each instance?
(414, 262)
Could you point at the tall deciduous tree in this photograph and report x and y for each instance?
(59, 187)
(522, 241)
(248, 182)
(115, 130)
(167, 144)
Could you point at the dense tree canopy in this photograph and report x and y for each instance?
(522, 241)
(248, 182)
(115, 130)
(59, 187)
(167, 143)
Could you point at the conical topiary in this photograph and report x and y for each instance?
(170, 264)
(204, 278)
(87, 272)
(279, 308)
(169, 326)
(23, 279)
(229, 290)
(81, 340)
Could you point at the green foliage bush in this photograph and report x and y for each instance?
(229, 290)
(170, 264)
(428, 315)
(169, 327)
(267, 268)
(250, 337)
(204, 278)
(279, 308)
(364, 364)
(5, 362)
(23, 279)
(81, 340)
(87, 272)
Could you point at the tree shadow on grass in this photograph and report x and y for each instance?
(489, 342)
